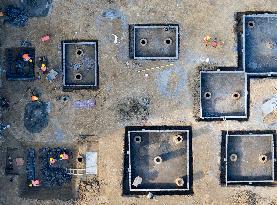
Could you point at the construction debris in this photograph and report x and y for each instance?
(137, 181)
(30, 164)
(54, 175)
(52, 75)
(269, 106)
(16, 16)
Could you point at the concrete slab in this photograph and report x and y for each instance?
(37, 8)
(53, 177)
(34, 8)
(223, 94)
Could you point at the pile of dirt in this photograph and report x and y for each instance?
(246, 197)
(89, 188)
(134, 109)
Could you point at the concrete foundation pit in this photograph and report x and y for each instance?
(161, 160)
(248, 157)
(80, 65)
(154, 41)
(259, 44)
(223, 95)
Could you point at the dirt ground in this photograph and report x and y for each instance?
(171, 93)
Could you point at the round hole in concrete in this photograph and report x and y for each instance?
(78, 76)
(158, 160)
(168, 41)
(233, 157)
(143, 41)
(166, 28)
(236, 95)
(179, 182)
(207, 95)
(80, 159)
(263, 158)
(178, 139)
(137, 139)
(79, 52)
(251, 24)
(65, 98)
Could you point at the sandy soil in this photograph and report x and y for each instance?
(172, 99)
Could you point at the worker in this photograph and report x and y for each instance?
(35, 183)
(26, 57)
(214, 43)
(43, 68)
(207, 40)
(64, 156)
(52, 161)
(34, 98)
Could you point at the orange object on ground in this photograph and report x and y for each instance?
(64, 156)
(34, 98)
(26, 57)
(45, 38)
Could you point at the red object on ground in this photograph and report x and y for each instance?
(214, 44)
(45, 38)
